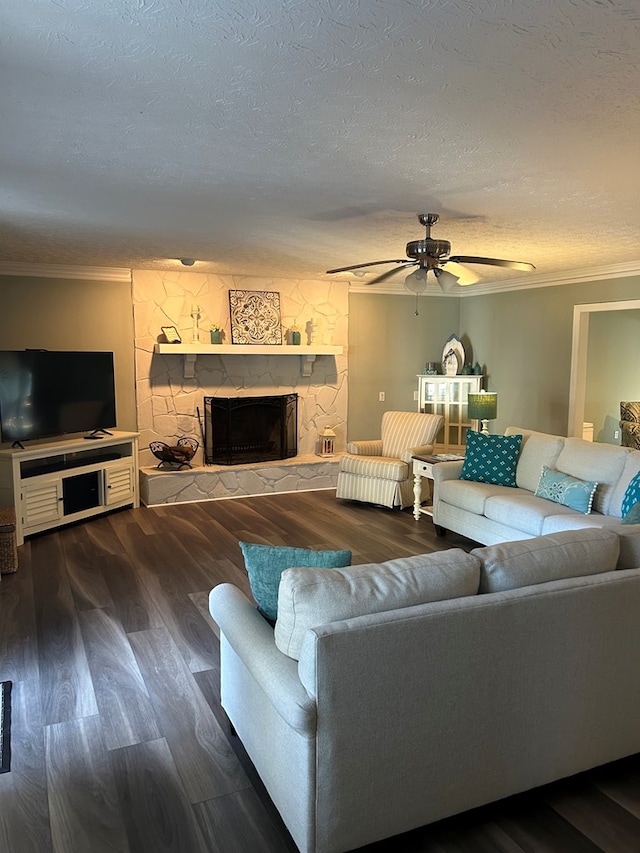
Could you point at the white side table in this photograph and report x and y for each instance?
(423, 469)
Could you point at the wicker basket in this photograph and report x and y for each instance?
(8, 546)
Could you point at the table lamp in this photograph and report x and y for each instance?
(483, 407)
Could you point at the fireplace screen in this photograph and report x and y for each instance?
(241, 430)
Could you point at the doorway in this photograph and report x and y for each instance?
(579, 357)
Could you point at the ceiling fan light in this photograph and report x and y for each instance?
(446, 280)
(416, 281)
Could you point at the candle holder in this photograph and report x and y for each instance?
(195, 334)
(327, 442)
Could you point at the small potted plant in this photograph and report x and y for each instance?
(217, 333)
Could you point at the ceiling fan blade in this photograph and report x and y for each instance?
(370, 264)
(495, 262)
(390, 272)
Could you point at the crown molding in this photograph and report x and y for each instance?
(522, 283)
(61, 271)
(397, 288)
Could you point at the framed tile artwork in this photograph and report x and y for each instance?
(255, 317)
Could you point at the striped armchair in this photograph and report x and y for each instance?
(380, 471)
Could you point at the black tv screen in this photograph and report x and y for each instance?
(48, 393)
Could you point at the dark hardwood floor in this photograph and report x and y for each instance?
(119, 741)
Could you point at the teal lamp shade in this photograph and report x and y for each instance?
(482, 407)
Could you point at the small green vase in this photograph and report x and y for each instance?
(216, 336)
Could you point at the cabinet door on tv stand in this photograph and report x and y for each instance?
(41, 502)
(119, 484)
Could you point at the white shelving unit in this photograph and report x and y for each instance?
(57, 482)
(306, 353)
(447, 396)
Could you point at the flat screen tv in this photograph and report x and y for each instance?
(47, 393)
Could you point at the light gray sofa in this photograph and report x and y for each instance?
(490, 514)
(383, 722)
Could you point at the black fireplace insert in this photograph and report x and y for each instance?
(241, 430)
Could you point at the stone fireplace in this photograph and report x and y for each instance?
(242, 430)
(170, 386)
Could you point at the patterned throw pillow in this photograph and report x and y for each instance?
(265, 564)
(491, 458)
(631, 496)
(568, 491)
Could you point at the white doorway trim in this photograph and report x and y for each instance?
(579, 350)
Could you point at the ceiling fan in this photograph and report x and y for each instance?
(430, 254)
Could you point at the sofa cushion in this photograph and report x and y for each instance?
(629, 537)
(523, 511)
(537, 449)
(308, 598)
(469, 496)
(631, 495)
(566, 490)
(569, 554)
(265, 564)
(587, 460)
(633, 516)
(564, 519)
(381, 467)
(491, 458)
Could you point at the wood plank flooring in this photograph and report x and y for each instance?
(119, 740)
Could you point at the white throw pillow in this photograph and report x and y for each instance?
(567, 554)
(308, 597)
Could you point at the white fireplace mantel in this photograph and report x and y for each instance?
(306, 353)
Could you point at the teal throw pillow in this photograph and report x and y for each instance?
(633, 516)
(631, 496)
(491, 458)
(566, 490)
(265, 564)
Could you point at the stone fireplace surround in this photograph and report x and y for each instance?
(169, 403)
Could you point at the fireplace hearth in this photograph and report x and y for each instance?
(241, 430)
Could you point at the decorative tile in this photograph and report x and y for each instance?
(255, 317)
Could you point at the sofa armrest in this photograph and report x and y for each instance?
(447, 471)
(441, 472)
(372, 447)
(251, 638)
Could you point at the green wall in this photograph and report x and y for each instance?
(522, 338)
(388, 346)
(73, 314)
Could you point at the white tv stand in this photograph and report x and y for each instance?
(55, 483)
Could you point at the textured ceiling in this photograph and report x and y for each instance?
(285, 137)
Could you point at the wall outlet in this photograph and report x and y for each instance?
(415, 396)
(616, 433)
(381, 397)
